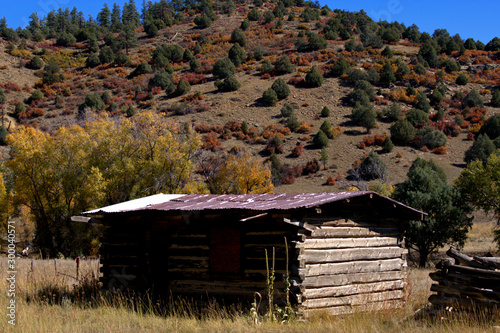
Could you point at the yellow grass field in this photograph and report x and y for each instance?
(46, 302)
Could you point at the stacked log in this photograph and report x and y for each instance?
(466, 283)
(351, 267)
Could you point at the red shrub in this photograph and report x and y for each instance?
(310, 168)
(298, 150)
(331, 181)
(470, 136)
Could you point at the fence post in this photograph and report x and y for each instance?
(77, 260)
(55, 266)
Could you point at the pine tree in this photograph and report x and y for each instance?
(104, 17)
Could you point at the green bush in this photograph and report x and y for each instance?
(316, 42)
(182, 88)
(122, 59)
(450, 65)
(3, 135)
(326, 127)
(268, 17)
(436, 97)
(3, 98)
(245, 24)
(314, 78)
(420, 69)
(287, 110)
(358, 96)
(130, 111)
(387, 52)
(481, 149)
(106, 55)
(35, 96)
(142, 68)
(393, 113)
(66, 39)
(320, 140)
(473, 99)
(236, 55)
(364, 116)
(20, 107)
(365, 86)
(402, 70)
(432, 138)
(281, 88)
(495, 98)
(417, 118)
(254, 15)
(402, 132)
(462, 79)
(325, 112)
(36, 63)
(387, 145)
(491, 127)
(94, 101)
(163, 80)
(202, 21)
(372, 167)
(422, 102)
(270, 98)
(106, 97)
(238, 36)
(230, 83)
(341, 66)
(387, 75)
(151, 29)
(223, 68)
(284, 65)
(266, 66)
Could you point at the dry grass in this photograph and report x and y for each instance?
(49, 303)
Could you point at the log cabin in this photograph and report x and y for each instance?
(338, 252)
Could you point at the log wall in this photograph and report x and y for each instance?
(347, 266)
(466, 283)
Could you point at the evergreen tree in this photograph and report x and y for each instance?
(116, 23)
(481, 150)
(130, 14)
(314, 78)
(128, 38)
(387, 75)
(104, 17)
(447, 217)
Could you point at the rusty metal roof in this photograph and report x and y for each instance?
(256, 202)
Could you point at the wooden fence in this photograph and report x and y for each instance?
(466, 283)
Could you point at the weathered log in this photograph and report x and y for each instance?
(351, 267)
(343, 222)
(348, 309)
(491, 262)
(345, 279)
(334, 232)
(338, 243)
(311, 293)
(464, 259)
(467, 291)
(475, 272)
(339, 255)
(353, 300)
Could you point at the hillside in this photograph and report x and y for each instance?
(302, 39)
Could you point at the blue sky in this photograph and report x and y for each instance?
(476, 19)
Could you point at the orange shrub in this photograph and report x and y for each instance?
(211, 142)
(439, 151)
(304, 128)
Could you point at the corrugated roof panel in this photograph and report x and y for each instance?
(258, 202)
(136, 204)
